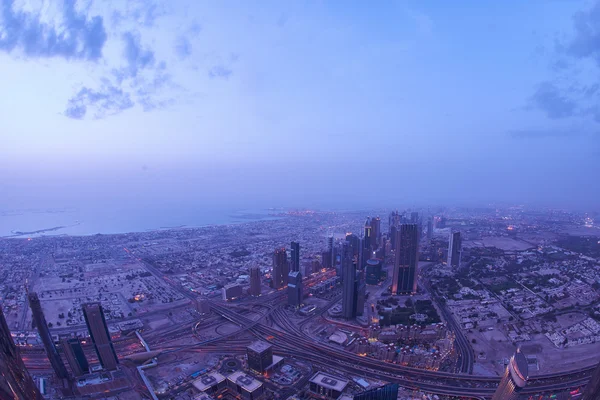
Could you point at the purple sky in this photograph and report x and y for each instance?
(299, 103)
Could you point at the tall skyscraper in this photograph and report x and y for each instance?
(429, 228)
(295, 290)
(42, 327)
(454, 250)
(368, 235)
(376, 231)
(255, 281)
(295, 257)
(393, 236)
(407, 259)
(15, 381)
(414, 217)
(331, 250)
(96, 323)
(393, 221)
(514, 378)
(280, 268)
(76, 357)
(349, 282)
(592, 389)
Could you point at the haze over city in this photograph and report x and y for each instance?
(299, 200)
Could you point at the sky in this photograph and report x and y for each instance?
(299, 103)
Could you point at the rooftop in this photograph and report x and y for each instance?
(207, 381)
(329, 381)
(259, 346)
(247, 382)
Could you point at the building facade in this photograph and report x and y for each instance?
(76, 357)
(280, 268)
(404, 280)
(255, 287)
(295, 257)
(96, 324)
(42, 327)
(16, 383)
(454, 250)
(295, 289)
(514, 378)
(260, 356)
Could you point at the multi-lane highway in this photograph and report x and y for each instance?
(292, 342)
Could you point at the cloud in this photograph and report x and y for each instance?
(183, 47)
(220, 71)
(140, 12)
(586, 42)
(543, 133)
(553, 102)
(137, 58)
(109, 100)
(78, 37)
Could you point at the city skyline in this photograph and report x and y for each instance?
(299, 200)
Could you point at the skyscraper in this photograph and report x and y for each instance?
(514, 378)
(414, 217)
(454, 250)
(368, 235)
(376, 231)
(429, 228)
(349, 282)
(331, 250)
(96, 323)
(295, 291)
(260, 356)
(295, 257)
(592, 389)
(42, 327)
(76, 357)
(407, 259)
(280, 268)
(255, 281)
(15, 381)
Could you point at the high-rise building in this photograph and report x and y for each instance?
(429, 228)
(349, 283)
(255, 281)
(393, 221)
(393, 236)
(376, 231)
(76, 357)
(96, 324)
(260, 356)
(386, 392)
(295, 290)
(414, 217)
(295, 257)
(42, 327)
(368, 235)
(331, 250)
(15, 381)
(592, 389)
(454, 250)
(373, 273)
(514, 378)
(280, 268)
(407, 259)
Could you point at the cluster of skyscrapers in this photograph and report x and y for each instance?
(15, 381)
(287, 273)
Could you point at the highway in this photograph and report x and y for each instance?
(293, 343)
